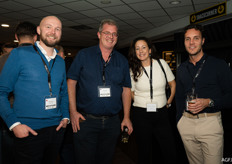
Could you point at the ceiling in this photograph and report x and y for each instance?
(81, 18)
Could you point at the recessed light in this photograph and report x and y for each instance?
(175, 2)
(105, 2)
(5, 25)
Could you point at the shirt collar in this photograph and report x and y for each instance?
(100, 53)
(25, 44)
(45, 53)
(200, 61)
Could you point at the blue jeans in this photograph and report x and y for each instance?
(6, 144)
(40, 149)
(7, 147)
(95, 142)
(67, 148)
(0, 146)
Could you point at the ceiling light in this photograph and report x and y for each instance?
(16, 41)
(5, 25)
(105, 2)
(175, 2)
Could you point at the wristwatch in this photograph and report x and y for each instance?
(211, 103)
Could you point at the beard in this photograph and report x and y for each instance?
(49, 43)
(194, 54)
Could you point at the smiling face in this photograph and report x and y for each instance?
(108, 37)
(50, 31)
(193, 42)
(142, 51)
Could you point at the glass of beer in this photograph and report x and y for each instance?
(191, 99)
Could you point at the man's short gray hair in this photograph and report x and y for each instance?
(107, 21)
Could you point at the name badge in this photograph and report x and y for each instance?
(151, 107)
(104, 91)
(50, 102)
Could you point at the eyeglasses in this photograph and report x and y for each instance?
(107, 33)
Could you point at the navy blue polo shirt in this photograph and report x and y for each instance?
(214, 82)
(87, 70)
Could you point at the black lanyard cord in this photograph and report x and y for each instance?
(104, 67)
(197, 74)
(150, 79)
(47, 70)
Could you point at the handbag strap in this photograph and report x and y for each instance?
(158, 60)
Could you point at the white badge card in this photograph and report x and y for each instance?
(151, 107)
(50, 102)
(104, 91)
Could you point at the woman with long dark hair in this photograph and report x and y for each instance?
(149, 111)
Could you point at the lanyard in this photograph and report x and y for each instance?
(104, 67)
(150, 79)
(47, 70)
(25, 44)
(197, 74)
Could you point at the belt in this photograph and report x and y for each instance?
(200, 115)
(164, 108)
(96, 116)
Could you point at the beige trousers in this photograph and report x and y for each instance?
(202, 138)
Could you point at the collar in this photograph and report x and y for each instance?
(200, 61)
(100, 53)
(25, 44)
(45, 53)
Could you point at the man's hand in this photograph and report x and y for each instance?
(63, 124)
(22, 131)
(75, 120)
(126, 122)
(199, 105)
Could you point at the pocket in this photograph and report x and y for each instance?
(117, 75)
(80, 120)
(219, 121)
(178, 123)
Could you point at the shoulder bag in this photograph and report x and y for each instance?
(167, 88)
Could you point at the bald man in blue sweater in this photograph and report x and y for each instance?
(36, 75)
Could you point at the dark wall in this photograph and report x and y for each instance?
(218, 42)
(164, 46)
(124, 51)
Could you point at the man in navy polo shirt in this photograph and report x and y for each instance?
(99, 86)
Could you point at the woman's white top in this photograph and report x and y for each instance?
(141, 88)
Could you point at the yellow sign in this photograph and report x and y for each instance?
(209, 13)
(170, 58)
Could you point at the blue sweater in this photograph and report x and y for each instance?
(24, 74)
